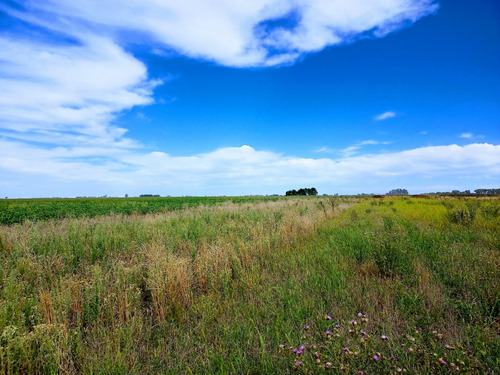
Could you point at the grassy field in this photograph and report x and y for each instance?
(307, 285)
(13, 211)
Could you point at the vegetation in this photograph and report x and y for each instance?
(18, 210)
(302, 191)
(316, 284)
(398, 192)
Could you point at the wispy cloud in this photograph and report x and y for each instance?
(352, 150)
(238, 33)
(69, 94)
(466, 135)
(324, 150)
(385, 116)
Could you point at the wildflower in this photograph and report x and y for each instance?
(345, 349)
(299, 352)
(302, 348)
(328, 365)
(328, 333)
(337, 325)
(300, 363)
(469, 352)
(392, 358)
(449, 347)
(306, 327)
(317, 355)
(282, 346)
(384, 337)
(353, 322)
(375, 357)
(363, 333)
(360, 315)
(295, 351)
(328, 317)
(442, 361)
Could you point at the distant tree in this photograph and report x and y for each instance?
(126, 195)
(398, 192)
(302, 191)
(487, 191)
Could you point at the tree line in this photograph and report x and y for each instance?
(302, 191)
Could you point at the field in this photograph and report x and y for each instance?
(259, 286)
(14, 211)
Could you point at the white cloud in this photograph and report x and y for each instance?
(385, 116)
(237, 170)
(67, 82)
(324, 150)
(466, 135)
(241, 32)
(352, 150)
(69, 94)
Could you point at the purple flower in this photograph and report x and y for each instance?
(328, 317)
(392, 358)
(360, 315)
(306, 327)
(300, 363)
(327, 366)
(317, 355)
(295, 350)
(384, 337)
(375, 357)
(302, 348)
(345, 349)
(363, 333)
(328, 333)
(299, 352)
(337, 325)
(443, 362)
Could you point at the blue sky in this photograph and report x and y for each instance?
(235, 97)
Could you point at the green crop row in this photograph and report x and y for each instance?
(13, 211)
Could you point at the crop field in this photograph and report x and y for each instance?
(339, 285)
(19, 210)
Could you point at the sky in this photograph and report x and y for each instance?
(237, 97)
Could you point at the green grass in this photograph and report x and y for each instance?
(14, 211)
(218, 289)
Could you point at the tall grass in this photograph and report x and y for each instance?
(218, 289)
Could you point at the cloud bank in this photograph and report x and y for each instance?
(237, 32)
(244, 170)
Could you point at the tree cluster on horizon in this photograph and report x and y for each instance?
(302, 191)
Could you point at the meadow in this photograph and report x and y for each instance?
(341, 285)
